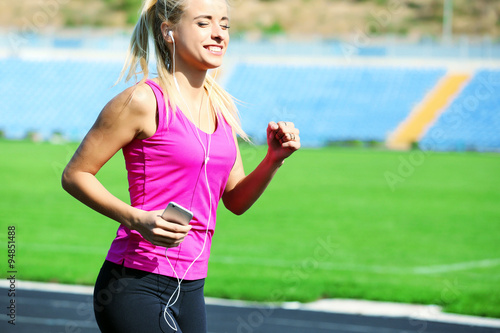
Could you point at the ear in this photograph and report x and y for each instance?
(165, 29)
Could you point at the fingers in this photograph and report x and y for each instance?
(273, 126)
(163, 233)
(285, 132)
(286, 137)
(286, 124)
(292, 145)
(170, 234)
(159, 237)
(283, 140)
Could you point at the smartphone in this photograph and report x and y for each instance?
(176, 213)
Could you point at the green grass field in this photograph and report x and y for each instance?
(329, 226)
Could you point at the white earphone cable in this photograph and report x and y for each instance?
(206, 151)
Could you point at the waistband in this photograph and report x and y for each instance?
(119, 272)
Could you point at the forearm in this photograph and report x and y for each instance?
(86, 188)
(249, 189)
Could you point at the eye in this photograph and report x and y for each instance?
(203, 24)
(225, 26)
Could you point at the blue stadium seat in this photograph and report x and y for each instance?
(54, 96)
(329, 103)
(472, 121)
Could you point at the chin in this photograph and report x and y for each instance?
(213, 64)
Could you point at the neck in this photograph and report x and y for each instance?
(191, 83)
(193, 100)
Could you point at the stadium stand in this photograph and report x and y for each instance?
(329, 103)
(50, 97)
(472, 121)
(410, 130)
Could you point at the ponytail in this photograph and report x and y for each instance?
(138, 51)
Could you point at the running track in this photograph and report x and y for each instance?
(62, 312)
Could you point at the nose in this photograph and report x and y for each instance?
(218, 33)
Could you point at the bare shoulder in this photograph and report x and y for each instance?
(134, 109)
(138, 99)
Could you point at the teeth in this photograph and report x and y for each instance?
(214, 48)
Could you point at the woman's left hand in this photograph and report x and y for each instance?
(282, 139)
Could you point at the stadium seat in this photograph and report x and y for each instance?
(329, 103)
(472, 121)
(54, 96)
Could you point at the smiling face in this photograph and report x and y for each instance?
(202, 35)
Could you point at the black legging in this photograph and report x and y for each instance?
(130, 300)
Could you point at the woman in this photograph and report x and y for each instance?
(178, 136)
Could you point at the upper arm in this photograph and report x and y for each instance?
(130, 114)
(237, 172)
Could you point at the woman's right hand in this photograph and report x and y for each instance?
(160, 232)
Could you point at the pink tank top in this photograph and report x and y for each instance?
(169, 167)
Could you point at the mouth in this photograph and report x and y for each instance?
(214, 49)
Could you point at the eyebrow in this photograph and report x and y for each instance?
(209, 17)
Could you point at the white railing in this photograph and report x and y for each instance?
(12, 43)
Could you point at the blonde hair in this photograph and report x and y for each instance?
(153, 14)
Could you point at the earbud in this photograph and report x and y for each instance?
(171, 34)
